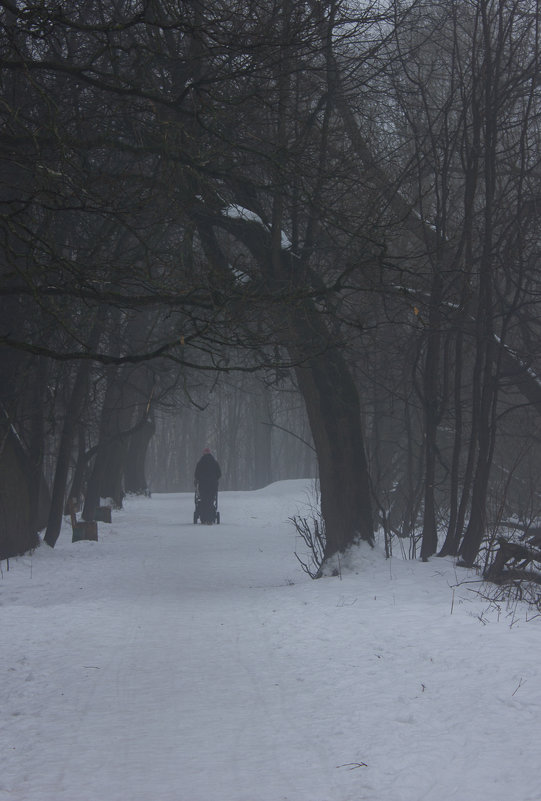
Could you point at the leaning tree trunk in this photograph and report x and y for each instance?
(325, 382)
(332, 405)
(333, 408)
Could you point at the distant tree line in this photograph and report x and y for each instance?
(258, 432)
(249, 202)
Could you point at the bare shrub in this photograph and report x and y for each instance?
(312, 531)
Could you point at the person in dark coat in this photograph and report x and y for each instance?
(206, 477)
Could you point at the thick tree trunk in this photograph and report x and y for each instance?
(332, 404)
(18, 532)
(325, 382)
(81, 465)
(476, 528)
(73, 411)
(134, 470)
(485, 428)
(106, 477)
(125, 432)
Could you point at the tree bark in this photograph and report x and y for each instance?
(18, 532)
(63, 458)
(262, 438)
(325, 382)
(431, 404)
(106, 477)
(332, 404)
(134, 470)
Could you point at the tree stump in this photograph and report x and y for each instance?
(103, 514)
(85, 530)
(82, 529)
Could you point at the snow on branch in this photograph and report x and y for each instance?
(236, 212)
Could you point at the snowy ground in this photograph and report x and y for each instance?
(170, 662)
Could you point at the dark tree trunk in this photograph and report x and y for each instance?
(76, 490)
(262, 440)
(431, 404)
(41, 496)
(18, 532)
(332, 404)
(134, 470)
(450, 546)
(476, 528)
(325, 382)
(106, 477)
(73, 411)
(122, 442)
(487, 360)
(486, 428)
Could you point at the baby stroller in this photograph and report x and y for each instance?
(206, 508)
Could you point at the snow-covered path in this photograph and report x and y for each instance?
(170, 662)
